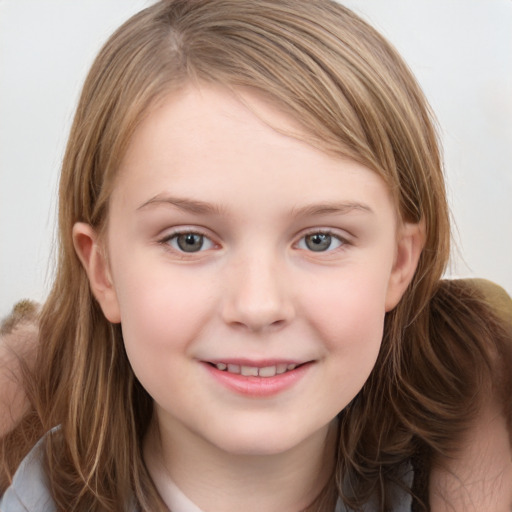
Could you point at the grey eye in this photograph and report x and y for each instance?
(320, 242)
(189, 242)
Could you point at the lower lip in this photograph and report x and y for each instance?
(258, 387)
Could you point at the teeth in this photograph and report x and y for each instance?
(268, 371)
(249, 371)
(281, 368)
(233, 368)
(254, 371)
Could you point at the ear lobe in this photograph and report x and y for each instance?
(93, 260)
(410, 242)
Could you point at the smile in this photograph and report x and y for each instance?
(255, 371)
(263, 379)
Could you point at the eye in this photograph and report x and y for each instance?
(189, 242)
(320, 242)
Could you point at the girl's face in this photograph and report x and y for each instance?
(250, 271)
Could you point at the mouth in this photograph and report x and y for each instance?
(258, 379)
(266, 371)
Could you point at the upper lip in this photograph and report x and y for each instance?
(259, 363)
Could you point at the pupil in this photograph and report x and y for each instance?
(190, 242)
(318, 241)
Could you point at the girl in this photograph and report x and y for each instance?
(248, 313)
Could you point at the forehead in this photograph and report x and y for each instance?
(192, 118)
(210, 141)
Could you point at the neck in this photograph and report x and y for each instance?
(283, 482)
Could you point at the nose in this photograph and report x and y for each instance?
(258, 296)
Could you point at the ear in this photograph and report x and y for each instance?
(410, 242)
(93, 259)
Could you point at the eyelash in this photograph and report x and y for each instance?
(301, 244)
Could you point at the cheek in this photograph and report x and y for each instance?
(161, 316)
(349, 309)
(349, 319)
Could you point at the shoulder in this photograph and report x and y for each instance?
(29, 488)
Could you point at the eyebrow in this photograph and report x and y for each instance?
(203, 208)
(189, 205)
(333, 208)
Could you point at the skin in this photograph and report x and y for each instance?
(203, 162)
(476, 478)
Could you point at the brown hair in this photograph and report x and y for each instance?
(354, 97)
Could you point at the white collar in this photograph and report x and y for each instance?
(171, 494)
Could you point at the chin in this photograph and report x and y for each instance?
(264, 441)
(256, 447)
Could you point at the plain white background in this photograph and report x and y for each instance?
(460, 50)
